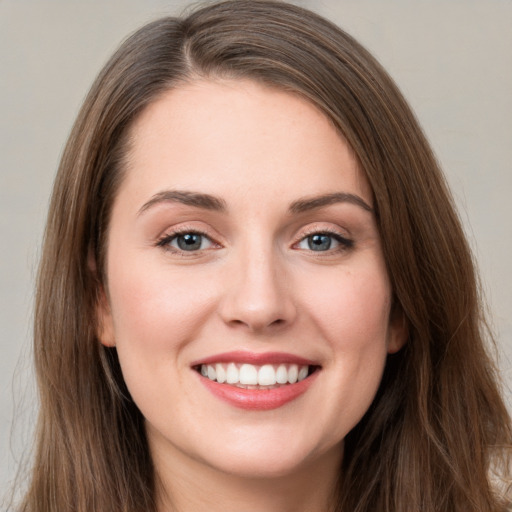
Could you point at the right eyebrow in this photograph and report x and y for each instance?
(314, 202)
(205, 201)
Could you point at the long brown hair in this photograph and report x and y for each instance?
(437, 428)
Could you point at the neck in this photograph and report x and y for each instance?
(185, 485)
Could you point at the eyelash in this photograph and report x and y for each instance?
(345, 244)
(165, 241)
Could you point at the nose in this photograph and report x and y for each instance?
(257, 294)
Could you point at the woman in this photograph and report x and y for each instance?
(255, 293)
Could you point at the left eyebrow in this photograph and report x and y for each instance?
(312, 203)
(205, 201)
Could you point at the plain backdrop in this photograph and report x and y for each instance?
(451, 58)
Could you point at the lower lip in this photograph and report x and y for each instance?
(258, 399)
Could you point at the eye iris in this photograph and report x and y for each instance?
(319, 242)
(189, 241)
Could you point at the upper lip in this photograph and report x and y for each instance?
(257, 359)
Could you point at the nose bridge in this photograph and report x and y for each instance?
(257, 295)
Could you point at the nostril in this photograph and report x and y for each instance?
(255, 324)
(256, 309)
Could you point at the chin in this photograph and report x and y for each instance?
(262, 467)
(264, 459)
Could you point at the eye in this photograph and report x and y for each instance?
(321, 242)
(189, 241)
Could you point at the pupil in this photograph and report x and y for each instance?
(319, 242)
(189, 242)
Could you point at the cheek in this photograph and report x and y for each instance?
(156, 312)
(352, 307)
(156, 307)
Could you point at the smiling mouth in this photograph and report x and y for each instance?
(254, 377)
(256, 381)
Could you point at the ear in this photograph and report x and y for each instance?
(102, 312)
(104, 323)
(398, 329)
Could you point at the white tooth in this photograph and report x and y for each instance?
(204, 370)
(232, 374)
(221, 373)
(248, 374)
(212, 375)
(293, 373)
(303, 373)
(266, 375)
(282, 374)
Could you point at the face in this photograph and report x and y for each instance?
(246, 294)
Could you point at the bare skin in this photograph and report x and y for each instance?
(244, 226)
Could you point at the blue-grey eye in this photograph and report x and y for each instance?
(323, 242)
(319, 242)
(190, 242)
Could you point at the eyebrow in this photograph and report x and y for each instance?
(205, 201)
(209, 202)
(312, 203)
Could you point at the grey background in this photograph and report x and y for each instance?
(451, 58)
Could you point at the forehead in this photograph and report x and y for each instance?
(240, 134)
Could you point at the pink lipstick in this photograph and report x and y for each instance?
(253, 381)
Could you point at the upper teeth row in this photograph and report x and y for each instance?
(248, 374)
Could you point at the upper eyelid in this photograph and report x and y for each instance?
(184, 228)
(169, 235)
(174, 234)
(304, 233)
